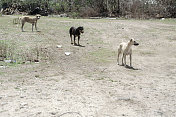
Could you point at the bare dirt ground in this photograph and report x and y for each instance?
(89, 83)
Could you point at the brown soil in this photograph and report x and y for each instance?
(89, 83)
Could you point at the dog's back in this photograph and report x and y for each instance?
(122, 47)
(27, 19)
(30, 19)
(76, 31)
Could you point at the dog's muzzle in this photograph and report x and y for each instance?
(136, 44)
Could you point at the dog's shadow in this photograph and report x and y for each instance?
(79, 45)
(130, 67)
(31, 31)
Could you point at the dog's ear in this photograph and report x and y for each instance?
(131, 40)
(81, 27)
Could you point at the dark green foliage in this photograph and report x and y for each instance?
(88, 8)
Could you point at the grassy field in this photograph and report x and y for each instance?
(41, 81)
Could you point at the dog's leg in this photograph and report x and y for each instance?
(36, 26)
(122, 59)
(125, 60)
(32, 27)
(78, 40)
(22, 26)
(74, 39)
(118, 57)
(71, 38)
(130, 60)
(119, 52)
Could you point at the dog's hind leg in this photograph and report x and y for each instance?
(22, 26)
(119, 52)
(122, 59)
(71, 33)
(118, 56)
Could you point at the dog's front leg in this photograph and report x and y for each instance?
(74, 39)
(36, 26)
(78, 40)
(32, 27)
(130, 60)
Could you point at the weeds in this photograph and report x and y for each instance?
(11, 55)
(6, 50)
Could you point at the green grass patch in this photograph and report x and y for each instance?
(102, 55)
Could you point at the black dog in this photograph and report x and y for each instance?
(76, 32)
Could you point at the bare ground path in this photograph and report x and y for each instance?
(89, 83)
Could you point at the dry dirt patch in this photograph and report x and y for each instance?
(89, 83)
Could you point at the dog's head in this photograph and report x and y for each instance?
(38, 16)
(81, 29)
(133, 42)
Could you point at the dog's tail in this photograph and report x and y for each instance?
(119, 52)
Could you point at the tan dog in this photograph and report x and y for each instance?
(126, 49)
(29, 19)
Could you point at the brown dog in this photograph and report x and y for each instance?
(30, 19)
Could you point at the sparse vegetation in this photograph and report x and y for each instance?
(89, 79)
(11, 55)
(101, 55)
